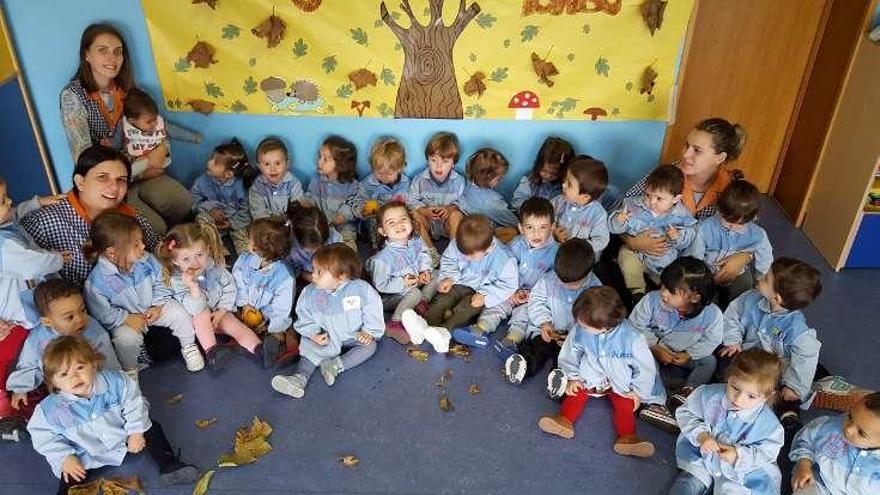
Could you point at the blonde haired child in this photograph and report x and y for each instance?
(387, 182)
(276, 186)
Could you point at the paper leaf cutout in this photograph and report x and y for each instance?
(545, 70)
(498, 75)
(360, 106)
(230, 31)
(602, 67)
(387, 76)
(647, 81)
(344, 90)
(202, 106)
(529, 32)
(300, 48)
(329, 64)
(272, 29)
(359, 36)
(307, 5)
(362, 77)
(652, 14)
(486, 20)
(213, 90)
(417, 354)
(203, 483)
(475, 111)
(348, 460)
(475, 85)
(209, 3)
(201, 55)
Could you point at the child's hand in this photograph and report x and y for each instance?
(153, 313)
(136, 442)
(17, 400)
(410, 280)
(730, 350)
(72, 469)
(802, 475)
(708, 444)
(635, 398)
(729, 268)
(5, 328)
(442, 212)
(339, 219)
(727, 453)
(217, 316)
(321, 338)
(478, 301)
(425, 277)
(672, 233)
(444, 285)
(548, 333)
(136, 322)
(426, 212)
(66, 257)
(573, 387)
(662, 354)
(49, 200)
(680, 358)
(561, 234)
(363, 337)
(521, 296)
(788, 394)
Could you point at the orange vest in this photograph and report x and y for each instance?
(710, 196)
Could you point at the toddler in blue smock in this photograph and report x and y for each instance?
(485, 170)
(579, 213)
(276, 186)
(548, 171)
(335, 189)
(386, 183)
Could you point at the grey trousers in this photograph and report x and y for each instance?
(161, 200)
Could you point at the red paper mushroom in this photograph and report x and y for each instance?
(595, 113)
(524, 103)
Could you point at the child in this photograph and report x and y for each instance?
(192, 257)
(94, 417)
(660, 213)
(534, 250)
(839, 455)
(435, 193)
(548, 317)
(340, 317)
(309, 231)
(578, 213)
(219, 197)
(335, 189)
(276, 186)
(265, 285)
(485, 169)
(732, 244)
(386, 183)
(545, 179)
(770, 318)
(63, 312)
(476, 272)
(682, 327)
(604, 356)
(126, 292)
(730, 437)
(401, 271)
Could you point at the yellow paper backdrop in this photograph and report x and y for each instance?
(600, 57)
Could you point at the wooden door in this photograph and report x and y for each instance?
(745, 61)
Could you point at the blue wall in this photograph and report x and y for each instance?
(22, 166)
(46, 34)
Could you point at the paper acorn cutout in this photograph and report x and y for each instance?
(524, 103)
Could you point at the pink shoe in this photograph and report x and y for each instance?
(395, 330)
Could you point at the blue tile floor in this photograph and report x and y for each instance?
(387, 414)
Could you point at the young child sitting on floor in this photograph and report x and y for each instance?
(335, 189)
(578, 210)
(549, 318)
(94, 417)
(839, 455)
(276, 185)
(770, 317)
(732, 244)
(730, 437)
(485, 169)
(386, 183)
(401, 271)
(340, 318)
(534, 250)
(603, 356)
(308, 232)
(660, 213)
(545, 178)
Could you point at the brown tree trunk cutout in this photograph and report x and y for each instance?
(428, 88)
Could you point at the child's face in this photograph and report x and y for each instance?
(324, 279)
(387, 176)
(440, 167)
(396, 225)
(67, 315)
(76, 378)
(591, 329)
(862, 427)
(217, 170)
(659, 201)
(736, 227)
(767, 288)
(744, 394)
(680, 300)
(192, 260)
(550, 172)
(137, 247)
(571, 189)
(6, 210)
(146, 122)
(699, 156)
(273, 165)
(326, 163)
(537, 230)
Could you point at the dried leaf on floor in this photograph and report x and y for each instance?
(110, 488)
(459, 350)
(92, 488)
(474, 389)
(445, 403)
(348, 460)
(174, 399)
(133, 483)
(250, 444)
(203, 483)
(205, 423)
(417, 354)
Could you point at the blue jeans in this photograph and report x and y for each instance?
(687, 484)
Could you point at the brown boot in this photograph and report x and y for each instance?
(634, 446)
(557, 425)
(395, 330)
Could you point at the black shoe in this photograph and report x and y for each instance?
(219, 355)
(271, 348)
(791, 421)
(636, 297)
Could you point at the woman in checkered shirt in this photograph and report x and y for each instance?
(100, 181)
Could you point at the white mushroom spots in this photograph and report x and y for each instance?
(524, 104)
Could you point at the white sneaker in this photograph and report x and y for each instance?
(415, 326)
(192, 357)
(439, 338)
(557, 382)
(292, 385)
(330, 369)
(515, 369)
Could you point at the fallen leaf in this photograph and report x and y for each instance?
(475, 85)
(203, 483)
(132, 484)
(272, 29)
(249, 445)
(174, 399)
(544, 70)
(205, 423)
(204, 107)
(445, 403)
(201, 55)
(209, 3)
(474, 389)
(417, 354)
(92, 488)
(348, 460)
(460, 350)
(652, 14)
(362, 77)
(647, 81)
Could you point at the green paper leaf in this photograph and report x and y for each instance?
(359, 36)
(250, 85)
(615, 111)
(344, 91)
(231, 31)
(485, 20)
(252, 62)
(300, 48)
(602, 67)
(182, 65)
(386, 110)
(529, 32)
(397, 47)
(387, 76)
(586, 29)
(570, 57)
(330, 109)
(560, 107)
(238, 107)
(498, 75)
(475, 111)
(472, 57)
(213, 90)
(506, 43)
(629, 86)
(329, 64)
